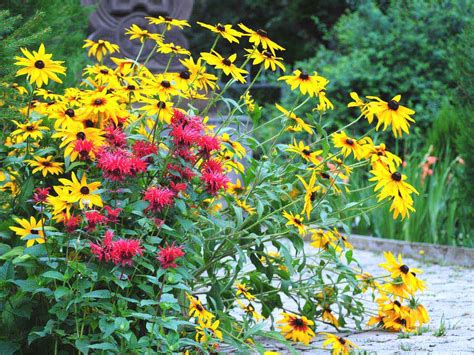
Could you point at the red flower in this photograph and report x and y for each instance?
(93, 219)
(178, 187)
(209, 143)
(84, 148)
(115, 136)
(40, 195)
(71, 222)
(102, 251)
(214, 181)
(123, 251)
(158, 197)
(112, 214)
(168, 255)
(143, 148)
(186, 130)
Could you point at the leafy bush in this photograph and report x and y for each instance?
(122, 232)
(403, 47)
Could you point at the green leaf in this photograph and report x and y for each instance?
(97, 294)
(7, 271)
(53, 275)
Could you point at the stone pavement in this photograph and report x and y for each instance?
(449, 300)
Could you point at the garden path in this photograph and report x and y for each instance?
(449, 300)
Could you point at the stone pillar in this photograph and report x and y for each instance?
(112, 17)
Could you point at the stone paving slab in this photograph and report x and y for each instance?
(449, 300)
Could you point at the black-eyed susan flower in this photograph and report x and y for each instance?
(349, 145)
(83, 192)
(310, 191)
(295, 220)
(250, 310)
(367, 108)
(225, 64)
(29, 228)
(260, 38)
(249, 101)
(60, 204)
(378, 154)
(136, 32)
(296, 328)
(329, 317)
(168, 21)
(196, 309)
(166, 48)
(324, 103)
(77, 131)
(235, 188)
(45, 165)
(39, 67)
(268, 59)
(304, 151)
(162, 85)
(244, 291)
(245, 206)
(393, 114)
(296, 121)
(339, 345)
(323, 239)
(164, 109)
(100, 48)
(207, 327)
(398, 269)
(201, 79)
(238, 148)
(30, 129)
(101, 106)
(307, 84)
(226, 31)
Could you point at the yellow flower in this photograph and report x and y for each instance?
(245, 206)
(164, 109)
(45, 165)
(206, 327)
(260, 37)
(81, 191)
(136, 32)
(305, 152)
(200, 78)
(168, 21)
(225, 31)
(244, 290)
(349, 145)
(166, 48)
(296, 120)
(268, 59)
(61, 204)
(100, 48)
(29, 228)
(249, 101)
(392, 113)
(236, 146)
(225, 64)
(196, 309)
(250, 309)
(310, 193)
(339, 345)
(296, 328)
(378, 154)
(31, 129)
(323, 239)
(367, 108)
(39, 67)
(308, 84)
(398, 269)
(329, 317)
(295, 220)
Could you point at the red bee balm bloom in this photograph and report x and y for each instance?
(158, 197)
(168, 255)
(120, 252)
(40, 195)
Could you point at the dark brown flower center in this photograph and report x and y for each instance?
(34, 232)
(227, 62)
(304, 75)
(404, 269)
(98, 102)
(186, 74)
(396, 176)
(220, 28)
(47, 164)
(104, 71)
(30, 128)
(89, 123)
(161, 104)
(168, 19)
(131, 87)
(70, 112)
(393, 105)
(165, 84)
(85, 190)
(81, 136)
(298, 322)
(349, 141)
(397, 303)
(39, 64)
(268, 54)
(342, 340)
(306, 152)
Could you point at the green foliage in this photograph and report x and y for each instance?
(403, 48)
(444, 134)
(442, 214)
(298, 25)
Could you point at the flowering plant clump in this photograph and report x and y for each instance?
(125, 231)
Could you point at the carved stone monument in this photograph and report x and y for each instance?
(113, 17)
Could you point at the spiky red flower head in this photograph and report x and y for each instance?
(214, 181)
(186, 130)
(213, 165)
(143, 148)
(209, 143)
(123, 251)
(94, 218)
(158, 197)
(84, 148)
(137, 165)
(71, 222)
(115, 136)
(168, 255)
(178, 187)
(114, 165)
(112, 214)
(185, 173)
(186, 154)
(40, 195)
